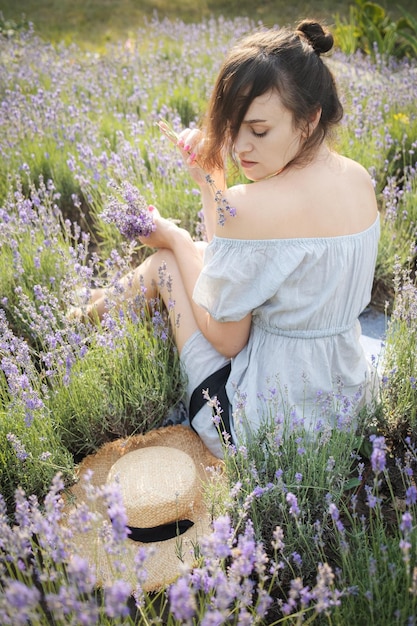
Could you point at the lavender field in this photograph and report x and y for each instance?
(322, 532)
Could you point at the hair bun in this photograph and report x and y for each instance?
(320, 40)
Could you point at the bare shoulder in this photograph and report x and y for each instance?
(242, 199)
(355, 170)
(239, 193)
(331, 197)
(358, 181)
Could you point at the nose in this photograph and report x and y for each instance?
(243, 144)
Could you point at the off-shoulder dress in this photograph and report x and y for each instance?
(303, 357)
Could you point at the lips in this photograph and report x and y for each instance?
(247, 164)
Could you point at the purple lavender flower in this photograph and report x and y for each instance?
(411, 495)
(222, 204)
(330, 464)
(292, 501)
(21, 602)
(378, 460)
(263, 603)
(140, 567)
(128, 210)
(115, 599)
(213, 618)
(245, 618)
(324, 593)
(296, 592)
(245, 553)
(258, 491)
(219, 542)
(372, 500)
(405, 547)
(117, 512)
(335, 515)
(18, 446)
(406, 523)
(278, 474)
(80, 574)
(278, 539)
(182, 600)
(66, 602)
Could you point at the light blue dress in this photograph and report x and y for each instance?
(304, 360)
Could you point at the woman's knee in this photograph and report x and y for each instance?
(148, 273)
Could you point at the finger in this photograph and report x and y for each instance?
(188, 140)
(155, 213)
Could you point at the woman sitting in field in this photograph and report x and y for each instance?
(270, 305)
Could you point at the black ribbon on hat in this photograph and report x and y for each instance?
(160, 533)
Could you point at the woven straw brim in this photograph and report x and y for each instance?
(163, 563)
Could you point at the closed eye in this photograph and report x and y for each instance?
(259, 134)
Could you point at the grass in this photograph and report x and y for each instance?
(93, 23)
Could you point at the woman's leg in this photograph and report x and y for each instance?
(157, 275)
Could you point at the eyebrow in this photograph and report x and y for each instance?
(254, 121)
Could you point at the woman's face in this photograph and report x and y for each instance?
(267, 139)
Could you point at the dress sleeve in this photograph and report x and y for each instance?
(240, 275)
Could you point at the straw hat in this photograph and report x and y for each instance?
(162, 476)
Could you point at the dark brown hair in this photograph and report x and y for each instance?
(282, 60)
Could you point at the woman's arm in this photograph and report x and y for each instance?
(208, 191)
(228, 338)
(190, 143)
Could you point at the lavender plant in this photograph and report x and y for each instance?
(222, 205)
(44, 577)
(34, 245)
(50, 363)
(398, 236)
(128, 210)
(286, 476)
(126, 383)
(374, 539)
(399, 384)
(31, 452)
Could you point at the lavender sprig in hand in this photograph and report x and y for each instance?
(128, 210)
(222, 205)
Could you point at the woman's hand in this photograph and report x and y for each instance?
(165, 231)
(190, 143)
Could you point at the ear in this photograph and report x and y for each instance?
(311, 125)
(315, 119)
